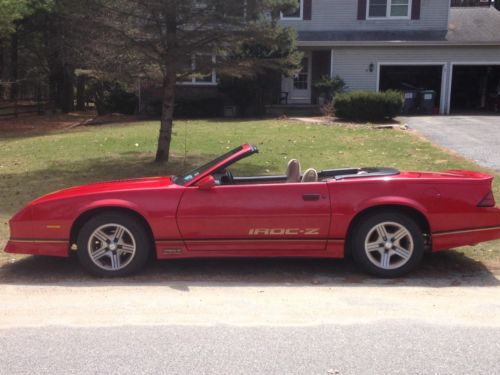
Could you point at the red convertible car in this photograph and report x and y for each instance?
(385, 219)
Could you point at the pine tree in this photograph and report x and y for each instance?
(172, 40)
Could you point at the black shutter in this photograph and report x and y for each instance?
(415, 9)
(361, 9)
(307, 10)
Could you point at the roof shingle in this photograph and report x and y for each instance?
(466, 26)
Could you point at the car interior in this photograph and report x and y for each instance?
(293, 175)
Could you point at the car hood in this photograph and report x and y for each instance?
(109, 186)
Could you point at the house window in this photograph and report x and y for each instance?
(389, 8)
(203, 71)
(294, 15)
(301, 81)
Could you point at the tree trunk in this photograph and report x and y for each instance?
(13, 65)
(167, 117)
(67, 93)
(2, 68)
(169, 79)
(80, 93)
(52, 94)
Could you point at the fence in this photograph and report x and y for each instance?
(22, 98)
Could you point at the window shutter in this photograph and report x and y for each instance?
(415, 9)
(307, 10)
(361, 9)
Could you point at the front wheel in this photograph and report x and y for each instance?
(388, 244)
(113, 244)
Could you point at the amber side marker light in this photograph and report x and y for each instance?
(487, 201)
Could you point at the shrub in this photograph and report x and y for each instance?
(196, 108)
(328, 109)
(112, 97)
(329, 87)
(369, 106)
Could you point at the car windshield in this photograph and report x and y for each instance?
(182, 180)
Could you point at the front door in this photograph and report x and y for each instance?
(299, 87)
(277, 219)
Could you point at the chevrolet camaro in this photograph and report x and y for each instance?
(385, 219)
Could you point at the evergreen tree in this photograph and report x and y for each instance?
(172, 40)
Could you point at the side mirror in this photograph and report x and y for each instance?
(206, 183)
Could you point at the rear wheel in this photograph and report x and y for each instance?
(388, 244)
(113, 244)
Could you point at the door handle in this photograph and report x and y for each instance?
(311, 197)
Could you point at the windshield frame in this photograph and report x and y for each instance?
(221, 162)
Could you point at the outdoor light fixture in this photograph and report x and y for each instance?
(371, 67)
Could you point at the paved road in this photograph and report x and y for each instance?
(391, 347)
(474, 137)
(260, 316)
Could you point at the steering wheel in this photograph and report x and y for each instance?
(227, 178)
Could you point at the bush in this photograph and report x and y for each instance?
(369, 106)
(112, 97)
(206, 107)
(330, 87)
(327, 110)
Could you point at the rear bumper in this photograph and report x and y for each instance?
(449, 240)
(54, 248)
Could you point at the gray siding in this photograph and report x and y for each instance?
(342, 15)
(352, 63)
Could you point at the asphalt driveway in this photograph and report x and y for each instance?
(474, 137)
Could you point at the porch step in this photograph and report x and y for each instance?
(293, 110)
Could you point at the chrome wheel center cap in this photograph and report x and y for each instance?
(388, 245)
(113, 247)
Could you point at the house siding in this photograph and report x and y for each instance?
(352, 63)
(328, 15)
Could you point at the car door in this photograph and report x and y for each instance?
(278, 218)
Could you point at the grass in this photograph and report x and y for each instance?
(32, 165)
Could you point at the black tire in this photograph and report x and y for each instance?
(373, 260)
(134, 234)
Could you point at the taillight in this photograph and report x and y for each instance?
(487, 201)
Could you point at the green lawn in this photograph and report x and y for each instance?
(34, 165)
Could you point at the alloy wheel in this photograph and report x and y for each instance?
(389, 245)
(111, 247)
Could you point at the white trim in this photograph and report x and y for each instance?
(293, 97)
(299, 18)
(187, 83)
(444, 95)
(331, 63)
(388, 12)
(444, 65)
(450, 80)
(194, 81)
(393, 43)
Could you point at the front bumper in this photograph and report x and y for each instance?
(38, 247)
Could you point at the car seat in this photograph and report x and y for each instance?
(311, 175)
(293, 171)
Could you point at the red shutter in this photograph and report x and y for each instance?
(415, 9)
(307, 10)
(361, 9)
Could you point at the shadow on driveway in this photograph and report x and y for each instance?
(443, 269)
